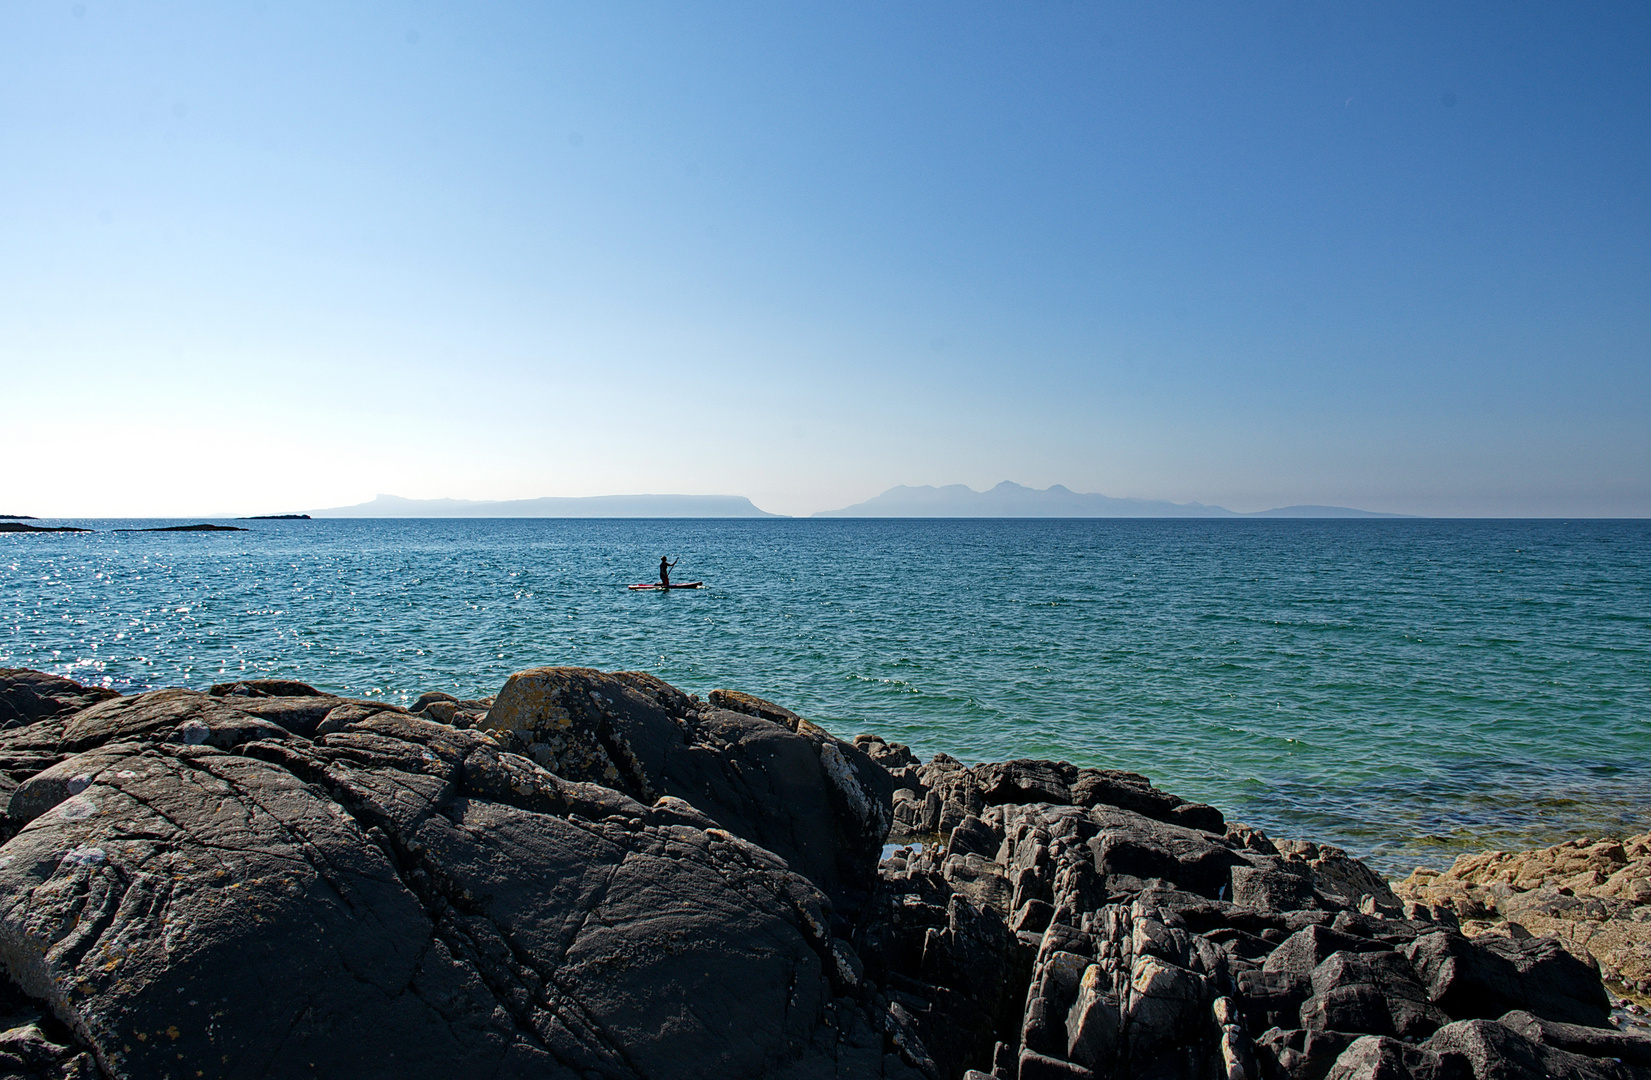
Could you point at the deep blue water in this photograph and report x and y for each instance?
(1407, 689)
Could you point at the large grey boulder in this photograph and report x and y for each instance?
(404, 898)
(1492, 1051)
(762, 773)
(1581, 1039)
(1378, 1057)
(1484, 977)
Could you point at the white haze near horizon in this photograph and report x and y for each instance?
(266, 258)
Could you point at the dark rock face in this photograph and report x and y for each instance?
(401, 897)
(27, 696)
(1492, 1051)
(260, 688)
(598, 876)
(944, 783)
(819, 803)
(1156, 941)
(1484, 979)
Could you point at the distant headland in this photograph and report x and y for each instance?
(595, 506)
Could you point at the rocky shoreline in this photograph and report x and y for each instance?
(597, 875)
(1594, 896)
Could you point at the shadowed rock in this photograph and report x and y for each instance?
(360, 905)
(27, 696)
(819, 803)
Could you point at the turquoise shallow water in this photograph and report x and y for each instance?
(1408, 689)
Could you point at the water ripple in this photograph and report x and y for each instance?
(1407, 689)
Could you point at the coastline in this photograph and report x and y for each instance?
(722, 862)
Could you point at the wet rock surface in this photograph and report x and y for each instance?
(595, 875)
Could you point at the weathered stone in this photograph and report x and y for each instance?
(1337, 875)
(752, 705)
(819, 803)
(1026, 781)
(155, 715)
(1311, 946)
(28, 696)
(1036, 1066)
(299, 715)
(972, 837)
(1300, 1054)
(1485, 977)
(463, 714)
(1033, 917)
(214, 910)
(1272, 998)
(1093, 1022)
(1594, 1042)
(978, 879)
(1370, 993)
(1273, 885)
(1492, 1051)
(603, 881)
(1166, 1020)
(430, 697)
(1131, 844)
(1590, 894)
(1377, 1057)
(1125, 790)
(347, 713)
(68, 778)
(1200, 816)
(891, 756)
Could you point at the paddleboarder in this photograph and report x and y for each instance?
(665, 571)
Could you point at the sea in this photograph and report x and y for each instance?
(1406, 689)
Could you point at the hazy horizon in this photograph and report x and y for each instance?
(274, 257)
(637, 505)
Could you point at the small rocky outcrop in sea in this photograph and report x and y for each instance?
(595, 875)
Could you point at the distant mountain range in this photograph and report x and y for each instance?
(1015, 500)
(595, 506)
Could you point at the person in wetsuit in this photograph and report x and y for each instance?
(665, 571)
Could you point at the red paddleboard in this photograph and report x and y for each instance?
(657, 585)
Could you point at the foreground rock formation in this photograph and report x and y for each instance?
(596, 875)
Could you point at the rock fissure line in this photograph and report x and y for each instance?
(402, 859)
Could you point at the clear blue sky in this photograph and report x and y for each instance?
(272, 256)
